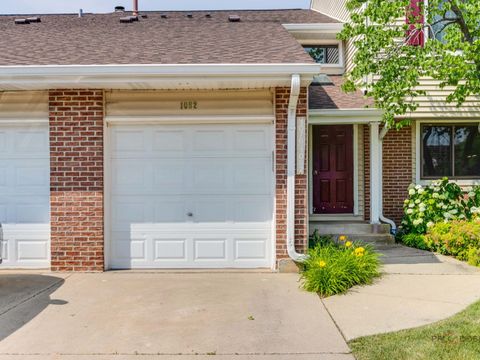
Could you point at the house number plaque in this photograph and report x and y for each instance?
(188, 105)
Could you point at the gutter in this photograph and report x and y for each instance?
(153, 76)
(159, 69)
(291, 148)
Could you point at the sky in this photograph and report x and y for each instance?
(72, 6)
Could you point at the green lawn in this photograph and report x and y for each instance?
(456, 338)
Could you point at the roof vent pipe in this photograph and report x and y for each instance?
(135, 7)
(80, 13)
(234, 18)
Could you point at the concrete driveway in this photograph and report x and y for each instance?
(152, 315)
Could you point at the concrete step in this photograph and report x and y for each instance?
(339, 228)
(377, 235)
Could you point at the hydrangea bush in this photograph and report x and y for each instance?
(440, 201)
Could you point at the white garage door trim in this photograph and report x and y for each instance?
(246, 232)
(26, 243)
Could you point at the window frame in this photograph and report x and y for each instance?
(330, 68)
(419, 177)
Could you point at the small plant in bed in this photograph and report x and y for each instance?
(333, 267)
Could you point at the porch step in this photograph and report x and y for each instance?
(373, 234)
(341, 228)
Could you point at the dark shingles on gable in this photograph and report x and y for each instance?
(331, 96)
(101, 39)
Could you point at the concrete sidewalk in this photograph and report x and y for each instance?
(154, 315)
(418, 288)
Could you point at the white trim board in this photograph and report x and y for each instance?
(344, 116)
(154, 76)
(192, 119)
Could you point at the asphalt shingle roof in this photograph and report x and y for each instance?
(331, 96)
(101, 39)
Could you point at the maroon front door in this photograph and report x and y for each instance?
(332, 169)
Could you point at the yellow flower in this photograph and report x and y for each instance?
(322, 264)
(342, 238)
(348, 244)
(360, 251)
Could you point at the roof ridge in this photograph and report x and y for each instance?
(157, 11)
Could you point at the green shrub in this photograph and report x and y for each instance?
(438, 202)
(334, 268)
(316, 239)
(415, 240)
(473, 203)
(457, 238)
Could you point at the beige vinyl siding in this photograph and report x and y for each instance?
(434, 104)
(333, 8)
(24, 105)
(161, 103)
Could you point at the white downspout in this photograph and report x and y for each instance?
(291, 170)
(382, 217)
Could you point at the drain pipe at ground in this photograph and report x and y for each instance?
(291, 169)
(382, 217)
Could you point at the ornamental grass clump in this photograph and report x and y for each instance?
(333, 268)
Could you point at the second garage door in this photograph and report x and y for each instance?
(191, 196)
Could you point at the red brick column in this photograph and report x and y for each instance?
(397, 171)
(282, 96)
(76, 180)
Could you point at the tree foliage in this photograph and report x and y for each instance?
(379, 30)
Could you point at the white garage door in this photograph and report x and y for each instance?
(191, 196)
(24, 196)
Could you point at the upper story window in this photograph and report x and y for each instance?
(324, 54)
(450, 150)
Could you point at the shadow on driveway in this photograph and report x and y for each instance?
(17, 289)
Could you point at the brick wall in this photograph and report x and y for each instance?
(282, 96)
(397, 171)
(76, 180)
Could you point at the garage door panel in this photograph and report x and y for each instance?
(25, 195)
(210, 249)
(209, 174)
(250, 248)
(30, 141)
(252, 140)
(26, 245)
(169, 142)
(169, 211)
(207, 171)
(213, 140)
(170, 249)
(128, 141)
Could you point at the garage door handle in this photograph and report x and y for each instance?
(189, 214)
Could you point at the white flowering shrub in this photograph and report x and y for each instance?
(441, 201)
(473, 203)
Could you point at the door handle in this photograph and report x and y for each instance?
(189, 214)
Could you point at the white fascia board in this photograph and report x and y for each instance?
(351, 116)
(171, 76)
(315, 28)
